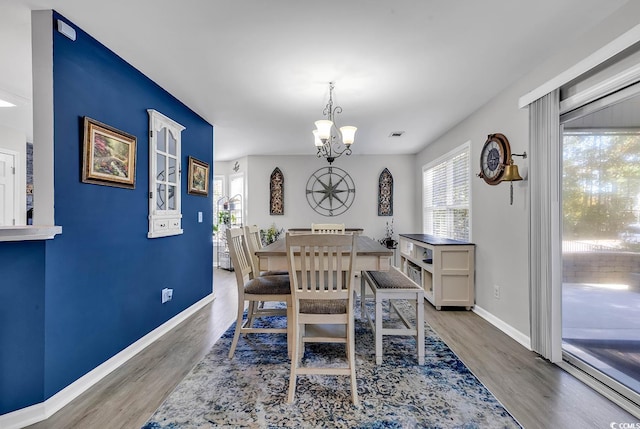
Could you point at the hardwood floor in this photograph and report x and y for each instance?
(128, 396)
(538, 394)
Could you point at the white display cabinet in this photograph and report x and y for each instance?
(444, 268)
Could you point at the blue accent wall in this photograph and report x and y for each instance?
(21, 324)
(97, 286)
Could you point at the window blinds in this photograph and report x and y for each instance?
(446, 200)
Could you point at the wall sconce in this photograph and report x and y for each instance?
(511, 173)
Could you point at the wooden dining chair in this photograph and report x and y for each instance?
(327, 228)
(254, 243)
(256, 289)
(321, 272)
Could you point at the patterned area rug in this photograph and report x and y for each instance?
(250, 390)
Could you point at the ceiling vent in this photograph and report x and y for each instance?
(396, 134)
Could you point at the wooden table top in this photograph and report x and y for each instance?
(366, 247)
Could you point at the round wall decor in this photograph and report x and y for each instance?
(494, 157)
(330, 191)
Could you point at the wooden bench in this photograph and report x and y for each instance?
(393, 285)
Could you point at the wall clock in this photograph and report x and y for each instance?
(330, 191)
(494, 157)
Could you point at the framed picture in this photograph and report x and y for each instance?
(109, 155)
(198, 177)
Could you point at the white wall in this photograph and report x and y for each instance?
(365, 171)
(500, 231)
(42, 58)
(16, 141)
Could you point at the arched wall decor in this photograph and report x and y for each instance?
(276, 188)
(385, 193)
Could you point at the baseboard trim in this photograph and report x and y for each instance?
(503, 326)
(23, 417)
(42, 411)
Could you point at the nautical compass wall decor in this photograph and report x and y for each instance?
(330, 191)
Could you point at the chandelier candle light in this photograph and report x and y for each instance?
(326, 140)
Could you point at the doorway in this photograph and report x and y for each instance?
(601, 241)
(8, 191)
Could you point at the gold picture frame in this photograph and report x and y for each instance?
(198, 177)
(109, 155)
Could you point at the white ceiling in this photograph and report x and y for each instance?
(259, 70)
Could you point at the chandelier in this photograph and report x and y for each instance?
(331, 142)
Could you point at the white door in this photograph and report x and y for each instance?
(7, 189)
(236, 187)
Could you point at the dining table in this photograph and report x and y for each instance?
(370, 255)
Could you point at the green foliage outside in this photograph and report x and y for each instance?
(601, 184)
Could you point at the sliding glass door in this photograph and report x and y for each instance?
(601, 240)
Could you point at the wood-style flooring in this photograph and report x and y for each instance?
(537, 393)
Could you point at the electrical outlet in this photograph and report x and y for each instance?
(496, 291)
(167, 295)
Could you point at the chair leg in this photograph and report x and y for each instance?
(420, 328)
(352, 363)
(236, 334)
(347, 349)
(300, 341)
(290, 323)
(363, 290)
(251, 312)
(294, 363)
(378, 334)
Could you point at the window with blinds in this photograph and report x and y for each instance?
(446, 200)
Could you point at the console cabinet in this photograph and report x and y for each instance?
(444, 268)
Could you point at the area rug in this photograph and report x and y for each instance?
(250, 390)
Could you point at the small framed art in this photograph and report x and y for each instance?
(198, 177)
